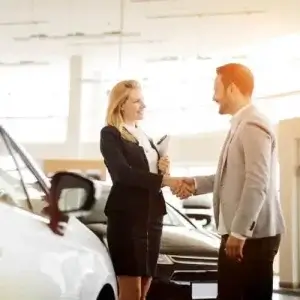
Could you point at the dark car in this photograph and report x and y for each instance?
(188, 253)
(199, 208)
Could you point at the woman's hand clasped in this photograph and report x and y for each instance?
(164, 165)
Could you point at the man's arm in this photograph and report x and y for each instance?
(204, 184)
(257, 146)
(188, 186)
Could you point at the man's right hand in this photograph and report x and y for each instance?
(183, 187)
(186, 189)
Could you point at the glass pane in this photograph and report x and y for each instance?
(184, 121)
(45, 94)
(179, 171)
(278, 109)
(34, 190)
(34, 101)
(177, 219)
(93, 110)
(167, 221)
(37, 130)
(202, 170)
(188, 92)
(11, 189)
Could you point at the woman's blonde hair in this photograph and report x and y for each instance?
(117, 97)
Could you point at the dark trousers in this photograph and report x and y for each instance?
(252, 278)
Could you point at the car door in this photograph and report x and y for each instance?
(36, 264)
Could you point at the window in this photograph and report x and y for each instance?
(167, 221)
(93, 110)
(179, 171)
(202, 170)
(278, 109)
(18, 184)
(179, 121)
(37, 130)
(182, 171)
(173, 105)
(34, 102)
(174, 218)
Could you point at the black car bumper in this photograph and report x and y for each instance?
(180, 271)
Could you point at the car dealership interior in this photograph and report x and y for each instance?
(59, 61)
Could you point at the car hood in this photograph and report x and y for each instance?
(180, 240)
(190, 242)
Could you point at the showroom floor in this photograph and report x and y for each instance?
(209, 291)
(282, 297)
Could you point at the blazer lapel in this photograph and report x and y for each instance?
(221, 158)
(225, 153)
(154, 147)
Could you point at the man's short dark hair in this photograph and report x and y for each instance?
(238, 74)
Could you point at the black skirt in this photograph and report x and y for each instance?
(134, 244)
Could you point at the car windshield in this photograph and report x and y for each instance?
(172, 218)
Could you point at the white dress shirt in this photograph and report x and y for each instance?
(150, 153)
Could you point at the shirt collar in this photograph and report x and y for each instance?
(237, 116)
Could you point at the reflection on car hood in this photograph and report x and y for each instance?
(181, 240)
(190, 242)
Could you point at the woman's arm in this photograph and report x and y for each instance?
(110, 146)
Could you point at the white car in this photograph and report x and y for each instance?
(36, 263)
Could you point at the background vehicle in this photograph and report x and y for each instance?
(35, 263)
(199, 208)
(188, 253)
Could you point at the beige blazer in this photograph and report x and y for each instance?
(245, 183)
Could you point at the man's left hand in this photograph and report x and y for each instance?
(234, 248)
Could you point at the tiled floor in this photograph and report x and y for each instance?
(282, 297)
(209, 291)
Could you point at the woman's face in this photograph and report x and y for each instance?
(133, 108)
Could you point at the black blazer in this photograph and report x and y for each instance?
(135, 190)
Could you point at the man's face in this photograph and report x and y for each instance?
(221, 96)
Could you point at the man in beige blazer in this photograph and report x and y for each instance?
(245, 195)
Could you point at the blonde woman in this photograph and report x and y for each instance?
(135, 206)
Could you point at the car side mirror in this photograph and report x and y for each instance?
(70, 194)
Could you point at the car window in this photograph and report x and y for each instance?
(176, 218)
(27, 193)
(167, 221)
(172, 218)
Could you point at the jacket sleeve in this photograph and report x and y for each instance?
(121, 171)
(257, 146)
(204, 184)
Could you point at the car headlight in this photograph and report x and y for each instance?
(164, 259)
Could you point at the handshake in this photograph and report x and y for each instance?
(182, 187)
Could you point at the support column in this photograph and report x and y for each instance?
(75, 96)
(289, 160)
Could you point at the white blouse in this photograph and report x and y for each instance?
(144, 142)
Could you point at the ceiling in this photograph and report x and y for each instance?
(118, 31)
(193, 35)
